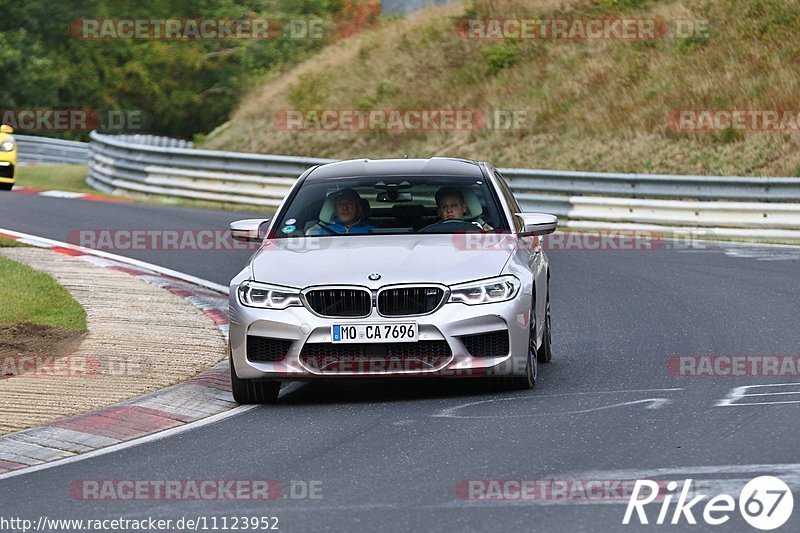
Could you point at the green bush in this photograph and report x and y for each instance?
(499, 57)
(309, 92)
(184, 86)
(622, 4)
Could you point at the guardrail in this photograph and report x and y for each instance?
(32, 149)
(154, 140)
(234, 177)
(755, 208)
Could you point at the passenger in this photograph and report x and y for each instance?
(348, 216)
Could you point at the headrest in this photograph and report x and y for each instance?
(328, 210)
(473, 203)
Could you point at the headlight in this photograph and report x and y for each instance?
(485, 291)
(7, 146)
(265, 296)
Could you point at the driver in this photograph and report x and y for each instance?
(450, 204)
(348, 217)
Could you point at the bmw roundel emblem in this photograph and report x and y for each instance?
(374, 276)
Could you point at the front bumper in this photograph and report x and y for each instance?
(450, 323)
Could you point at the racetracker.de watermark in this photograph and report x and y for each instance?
(193, 239)
(194, 489)
(49, 119)
(742, 365)
(782, 120)
(599, 241)
(196, 29)
(183, 239)
(73, 366)
(548, 490)
(403, 119)
(407, 365)
(625, 29)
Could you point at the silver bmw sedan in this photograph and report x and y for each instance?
(392, 268)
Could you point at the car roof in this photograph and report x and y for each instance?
(435, 166)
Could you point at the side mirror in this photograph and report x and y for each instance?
(249, 230)
(537, 224)
(5, 128)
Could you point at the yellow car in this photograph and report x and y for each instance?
(8, 157)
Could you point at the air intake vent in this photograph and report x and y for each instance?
(400, 357)
(391, 349)
(266, 349)
(493, 344)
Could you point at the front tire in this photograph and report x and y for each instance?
(6, 186)
(545, 352)
(528, 380)
(248, 391)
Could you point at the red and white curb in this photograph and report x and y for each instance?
(21, 189)
(206, 395)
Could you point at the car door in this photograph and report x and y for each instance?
(534, 255)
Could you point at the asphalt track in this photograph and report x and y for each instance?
(389, 455)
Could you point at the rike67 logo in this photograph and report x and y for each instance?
(765, 503)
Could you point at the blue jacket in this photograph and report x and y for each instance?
(338, 227)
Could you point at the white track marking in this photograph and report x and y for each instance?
(792, 469)
(288, 389)
(738, 393)
(653, 403)
(621, 391)
(710, 486)
(62, 194)
(707, 480)
(131, 443)
(48, 243)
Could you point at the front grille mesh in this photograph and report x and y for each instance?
(409, 300)
(266, 349)
(340, 302)
(493, 344)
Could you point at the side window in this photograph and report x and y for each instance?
(508, 196)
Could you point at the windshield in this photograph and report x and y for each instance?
(391, 205)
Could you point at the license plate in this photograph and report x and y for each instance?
(366, 333)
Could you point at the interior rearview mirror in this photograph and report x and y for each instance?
(394, 196)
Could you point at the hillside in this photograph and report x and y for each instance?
(591, 104)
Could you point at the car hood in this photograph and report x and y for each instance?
(444, 259)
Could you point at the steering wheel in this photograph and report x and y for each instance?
(451, 226)
(319, 225)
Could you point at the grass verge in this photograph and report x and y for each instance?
(32, 297)
(55, 177)
(72, 178)
(5, 242)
